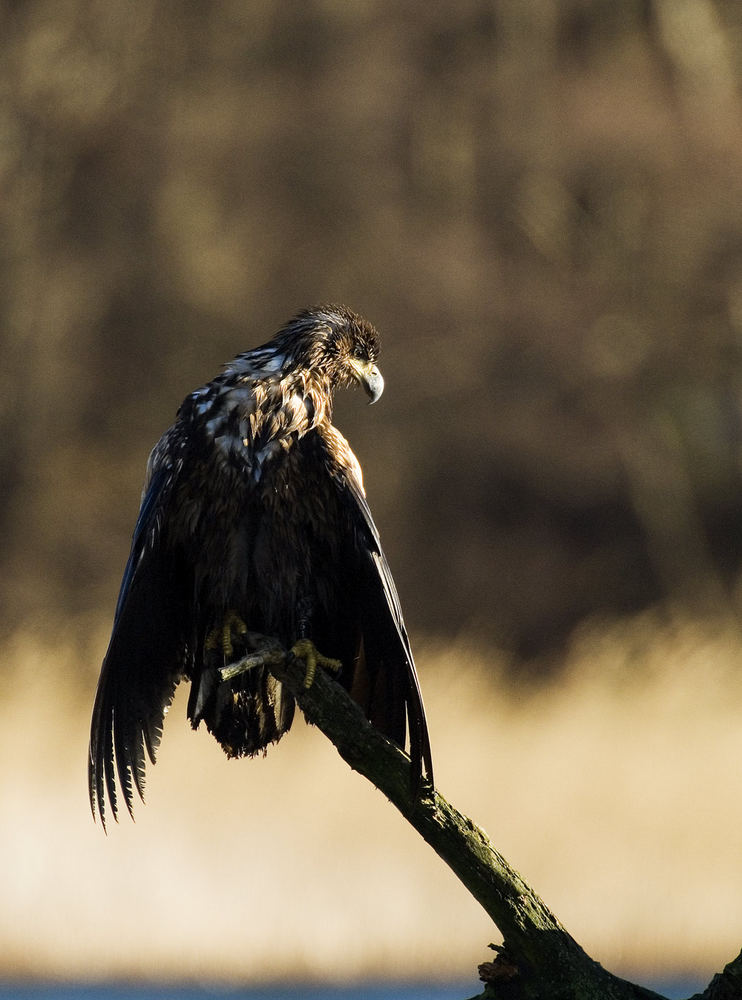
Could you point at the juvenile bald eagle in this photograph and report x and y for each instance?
(254, 520)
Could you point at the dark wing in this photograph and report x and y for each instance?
(146, 654)
(394, 700)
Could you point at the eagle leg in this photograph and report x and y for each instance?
(263, 651)
(221, 636)
(305, 650)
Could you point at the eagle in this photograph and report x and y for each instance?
(254, 522)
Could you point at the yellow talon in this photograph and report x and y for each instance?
(221, 636)
(305, 650)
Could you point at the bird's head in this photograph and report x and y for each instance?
(331, 343)
(346, 346)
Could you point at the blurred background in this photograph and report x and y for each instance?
(540, 207)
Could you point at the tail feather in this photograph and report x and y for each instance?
(245, 714)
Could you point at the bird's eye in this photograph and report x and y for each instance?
(359, 352)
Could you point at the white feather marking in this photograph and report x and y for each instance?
(273, 364)
(267, 452)
(214, 425)
(257, 364)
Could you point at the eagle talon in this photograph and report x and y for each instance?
(305, 650)
(221, 636)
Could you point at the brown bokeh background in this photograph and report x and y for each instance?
(540, 207)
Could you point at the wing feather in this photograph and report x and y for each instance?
(145, 657)
(395, 700)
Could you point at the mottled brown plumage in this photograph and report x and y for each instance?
(254, 507)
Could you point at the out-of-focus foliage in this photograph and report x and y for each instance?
(616, 792)
(538, 204)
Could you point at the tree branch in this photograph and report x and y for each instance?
(539, 960)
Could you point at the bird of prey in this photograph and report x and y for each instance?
(254, 521)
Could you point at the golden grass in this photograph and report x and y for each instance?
(617, 791)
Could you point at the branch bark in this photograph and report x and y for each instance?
(539, 959)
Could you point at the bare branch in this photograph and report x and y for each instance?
(539, 958)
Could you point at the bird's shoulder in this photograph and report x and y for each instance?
(253, 408)
(241, 426)
(340, 458)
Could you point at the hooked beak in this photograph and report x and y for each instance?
(370, 378)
